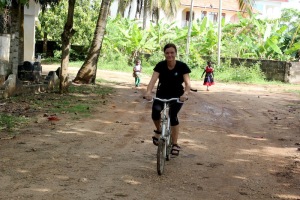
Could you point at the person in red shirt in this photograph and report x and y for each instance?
(209, 75)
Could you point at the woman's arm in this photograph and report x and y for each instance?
(150, 86)
(187, 87)
(203, 73)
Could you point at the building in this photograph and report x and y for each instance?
(201, 8)
(209, 9)
(271, 9)
(230, 8)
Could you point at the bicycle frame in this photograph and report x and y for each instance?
(165, 123)
(165, 120)
(165, 140)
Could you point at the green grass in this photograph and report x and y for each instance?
(78, 103)
(294, 91)
(9, 122)
(80, 100)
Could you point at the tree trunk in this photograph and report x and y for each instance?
(66, 45)
(121, 8)
(145, 14)
(15, 41)
(137, 11)
(129, 11)
(21, 34)
(45, 41)
(141, 7)
(87, 72)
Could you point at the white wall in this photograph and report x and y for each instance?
(272, 10)
(30, 17)
(4, 47)
(292, 4)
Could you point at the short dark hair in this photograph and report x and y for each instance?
(169, 45)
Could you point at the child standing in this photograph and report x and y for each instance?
(209, 75)
(137, 69)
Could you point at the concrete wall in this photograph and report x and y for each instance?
(288, 72)
(4, 46)
(294, 73)
(4, 56)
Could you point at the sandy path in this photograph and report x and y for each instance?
(239, 142)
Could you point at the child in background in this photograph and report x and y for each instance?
(137, 69)
(209, 75)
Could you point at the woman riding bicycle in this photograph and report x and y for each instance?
(171, 74)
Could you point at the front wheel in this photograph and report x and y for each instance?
(161, 152)
(169, 148)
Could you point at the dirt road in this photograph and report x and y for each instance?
(239, 142)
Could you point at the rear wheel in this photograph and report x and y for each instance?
(161, 152)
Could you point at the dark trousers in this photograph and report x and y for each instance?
(175, 107)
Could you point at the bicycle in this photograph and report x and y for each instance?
(165, 140)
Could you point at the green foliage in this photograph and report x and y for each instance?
(53, 19)
(124, 36)
(125, 41)
(249, 38)
(241, 73)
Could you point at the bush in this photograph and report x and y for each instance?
(114, 61)
(241, 73)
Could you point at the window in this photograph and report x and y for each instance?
(213, 16)
(187, 16)
(259, 7)
(203, 14)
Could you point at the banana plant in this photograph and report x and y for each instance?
(128, 38)
(163, 32)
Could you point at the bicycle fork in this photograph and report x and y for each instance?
(165, 136)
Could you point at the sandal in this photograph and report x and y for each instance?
(155, 139)
(175, 150)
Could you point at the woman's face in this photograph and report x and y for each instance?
(170, 54)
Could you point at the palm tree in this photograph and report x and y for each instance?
(87, 72)
(150, 8)
(246, 5)
(122, 5)
(66, 46)
(169, 7)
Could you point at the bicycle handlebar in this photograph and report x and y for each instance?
(168, 100)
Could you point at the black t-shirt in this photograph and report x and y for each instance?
(170, 81)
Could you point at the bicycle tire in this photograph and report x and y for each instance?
(161, 150)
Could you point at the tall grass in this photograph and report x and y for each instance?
(241, 73)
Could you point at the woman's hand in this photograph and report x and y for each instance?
(148, 97)
(183, 98)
